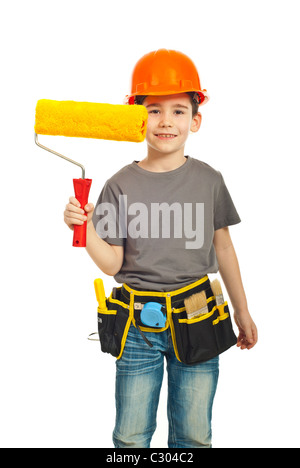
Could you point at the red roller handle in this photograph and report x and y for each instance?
(82, 190)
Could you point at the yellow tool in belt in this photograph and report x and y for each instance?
(100, 293)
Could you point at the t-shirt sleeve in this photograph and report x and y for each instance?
(225, 213)
(106, 216)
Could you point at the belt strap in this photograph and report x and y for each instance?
(164, 295)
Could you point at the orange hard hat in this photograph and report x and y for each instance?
(165, 72)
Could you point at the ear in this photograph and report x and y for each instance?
(196, 123)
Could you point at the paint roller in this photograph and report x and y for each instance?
(88, 120)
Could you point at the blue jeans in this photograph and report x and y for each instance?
(191, 391)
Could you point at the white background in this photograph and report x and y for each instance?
(57, 389)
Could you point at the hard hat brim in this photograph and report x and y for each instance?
(204, 96)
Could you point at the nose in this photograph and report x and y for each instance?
(165, 120)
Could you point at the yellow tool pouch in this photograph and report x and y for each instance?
(194, 340)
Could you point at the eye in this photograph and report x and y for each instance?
(179, 112)
(154, 111)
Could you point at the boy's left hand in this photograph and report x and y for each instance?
(248, 336)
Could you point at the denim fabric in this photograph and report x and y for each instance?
(191, 391)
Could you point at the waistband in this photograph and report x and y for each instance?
(173, 297)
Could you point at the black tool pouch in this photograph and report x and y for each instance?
(113, 325)
(205, 337)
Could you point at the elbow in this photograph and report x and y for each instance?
(111, 271)
(113, 268)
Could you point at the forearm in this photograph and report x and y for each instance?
(101, 252)
(231, 276)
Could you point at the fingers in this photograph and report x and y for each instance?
(89, 207)
(74, 214)
(247, 339)
(243, 342)
(74, 202)
(248, 335)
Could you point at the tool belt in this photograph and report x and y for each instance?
(194, 340)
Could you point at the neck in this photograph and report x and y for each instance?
(158, 162)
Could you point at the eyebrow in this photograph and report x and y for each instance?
(159, 105)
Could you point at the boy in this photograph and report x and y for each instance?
(148, 250)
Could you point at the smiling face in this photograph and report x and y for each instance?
(170, 121)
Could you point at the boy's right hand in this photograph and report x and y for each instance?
(75, 214)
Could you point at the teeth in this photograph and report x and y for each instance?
(166, 136)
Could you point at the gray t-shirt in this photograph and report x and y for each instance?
(166, 223)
